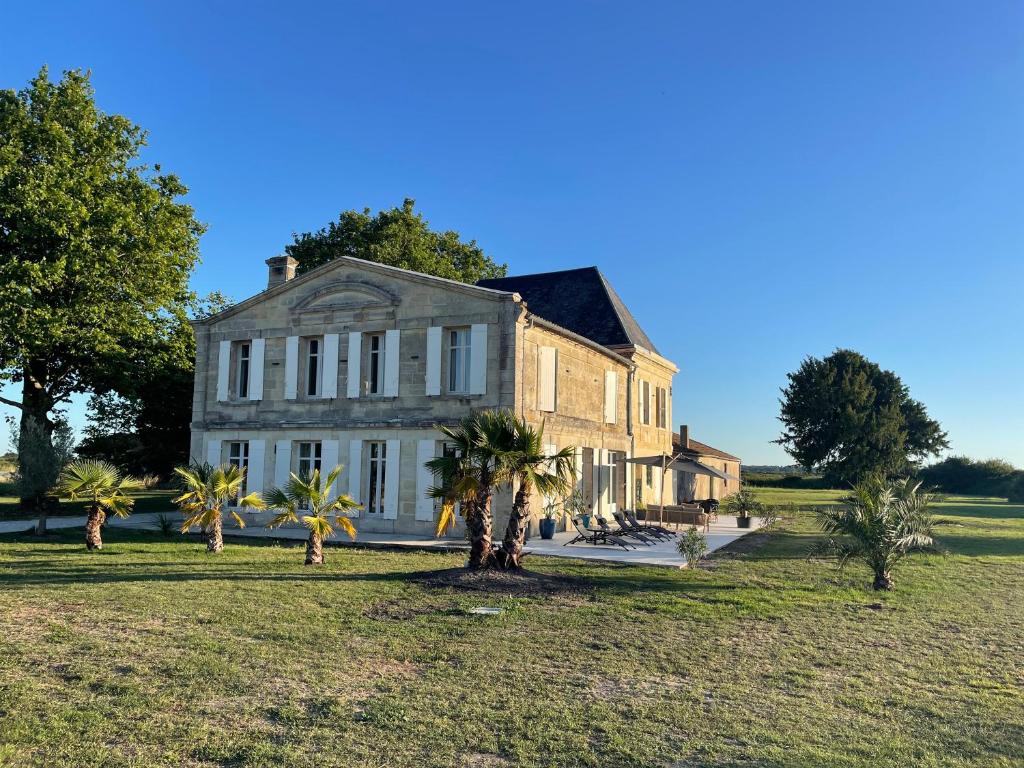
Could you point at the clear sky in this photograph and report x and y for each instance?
(759, 181)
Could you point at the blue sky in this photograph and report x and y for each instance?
(760, 181)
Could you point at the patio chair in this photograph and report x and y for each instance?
(660, 529)
(620, 531)
(590, 536)
(625, 524)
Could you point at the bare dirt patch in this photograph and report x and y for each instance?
(514, 583)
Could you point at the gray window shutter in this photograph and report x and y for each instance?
(434, 360)
(257, 351)
(291, 367)
(223, 370)
(478, 359)
(355, 353)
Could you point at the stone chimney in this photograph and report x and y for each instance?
(684, 436)
(282, 269)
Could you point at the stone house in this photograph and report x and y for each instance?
(355, 363)
(698, 487)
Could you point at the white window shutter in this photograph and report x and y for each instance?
(434, 360)
(355, 468)
(223, 370)
(392, 340)
(597, 480)
(577, 464)
(391, 479)
(257, 458)
(424, 480)
(282, 462)
(328, 461)
(330, 380)
(611, 383)
(213, 452)
(291, 367)
(478, 359)
(257, 351)
(547, 364)
(355, 353)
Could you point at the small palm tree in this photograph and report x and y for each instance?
(106, 491)
(309, 497)
(467, 476)
(880, 524)
(206, 492)
(525, 463)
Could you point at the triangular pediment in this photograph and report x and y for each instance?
(346, 295)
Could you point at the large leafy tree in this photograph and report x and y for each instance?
(847, 418)
(96, 247)
(399, 237)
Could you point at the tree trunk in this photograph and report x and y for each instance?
(478, 523)
(314, 550)
(94, 527)
(215, 535)
(515, 532)
(43, 510)
(883, 580)
(36, 405)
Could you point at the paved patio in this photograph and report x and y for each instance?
(660, 553)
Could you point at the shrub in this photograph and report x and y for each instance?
(693, 546)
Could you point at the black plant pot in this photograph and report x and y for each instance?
(743, 522)
(547, 528)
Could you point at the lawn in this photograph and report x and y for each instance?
(154, 653)
(145, 501)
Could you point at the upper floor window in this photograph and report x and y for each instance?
(375, 369)
(243, 365)
(314, 366)
(645, 402)
(458, 360)
(661, 406)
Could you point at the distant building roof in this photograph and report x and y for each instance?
(701, 449)
(580, 300)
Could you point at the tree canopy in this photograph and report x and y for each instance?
(399, 237)
(96, 247)
(847, 418)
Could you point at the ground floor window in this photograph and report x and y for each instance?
(310, 453)
(238, 456)
(376, 469)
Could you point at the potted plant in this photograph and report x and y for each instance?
(745, 505)
(576, 506)
(547, 523)
(641, 509)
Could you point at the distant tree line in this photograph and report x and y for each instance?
(963, 475)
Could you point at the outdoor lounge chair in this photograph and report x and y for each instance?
(647, 541)
(590, 536)
(660, 529)
(625, 524)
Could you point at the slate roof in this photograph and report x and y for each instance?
(701, 449)
(580, 300)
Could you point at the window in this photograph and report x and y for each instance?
(242, 371)
(310, 454)
(458, 360)
(376, 468)
(375, 383)
(661, 406)
(314, 366)
(238, 456)
(645, 402)
(650, 476)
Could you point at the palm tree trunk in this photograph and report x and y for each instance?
(478, 523)
(314, 550)
(515, 531)
(43, 509)
(883, 580)
(94, 527)
(215, 535)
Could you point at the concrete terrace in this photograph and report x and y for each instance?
(660, 553)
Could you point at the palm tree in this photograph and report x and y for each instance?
(206, 491)
(881, 522)
(102, 485)
(466, 475)
(525, 464)
(308, 497)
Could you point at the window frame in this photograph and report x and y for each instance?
(243, 369)
(375, 363)
(314, 359)
(240, 458)
(460, 359)
(375, 471)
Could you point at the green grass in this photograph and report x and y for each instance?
(145, 501)
(153, 653)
